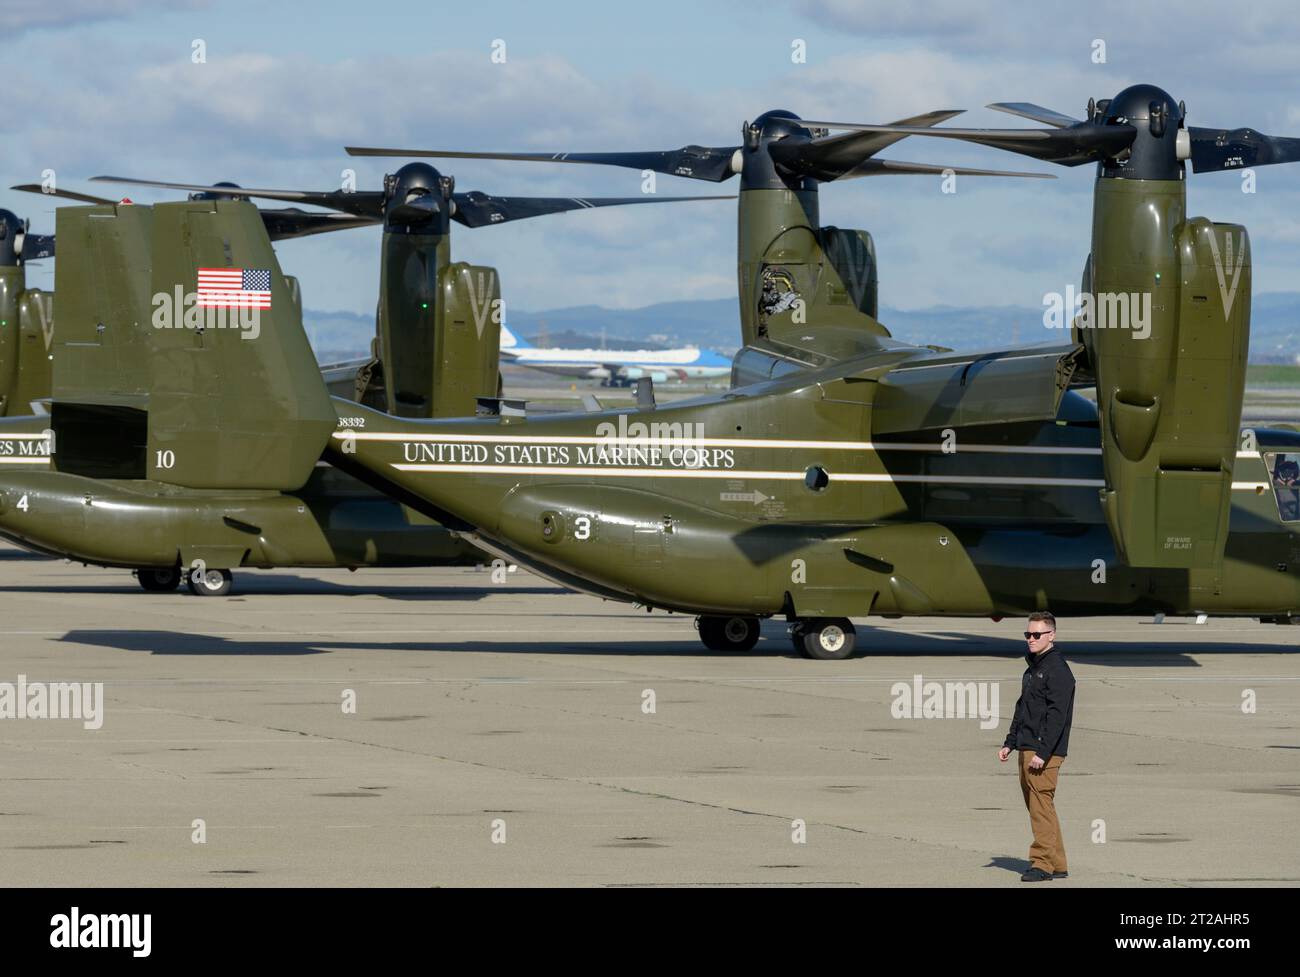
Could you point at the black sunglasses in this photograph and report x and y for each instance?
(1037, 634)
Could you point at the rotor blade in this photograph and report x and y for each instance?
(85, 198)
(886, 167)
(363, 203)
(1028, 110)
(831, 157)
(37, 246)
(476, 209)
(1083, 142)
(693, 162)
(1231, 149)
(290, 222)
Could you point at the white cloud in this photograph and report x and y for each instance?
(271, 114)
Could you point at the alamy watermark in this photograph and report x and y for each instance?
(681, 444)
(179, 309)
(53, 700)
(1100, 310)
(920, 699)
(126, 931)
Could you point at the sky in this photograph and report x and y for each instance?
(112, 86)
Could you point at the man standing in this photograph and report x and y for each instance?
(1040, 732)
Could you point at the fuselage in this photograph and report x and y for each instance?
(333, 520)
(777, 499)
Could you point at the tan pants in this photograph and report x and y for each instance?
(1039, 787)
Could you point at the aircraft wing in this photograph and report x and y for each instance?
(964, 389)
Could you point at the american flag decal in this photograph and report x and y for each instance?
(234, 288)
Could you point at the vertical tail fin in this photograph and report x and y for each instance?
(158, 376)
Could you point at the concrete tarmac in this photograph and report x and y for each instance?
(501, 737)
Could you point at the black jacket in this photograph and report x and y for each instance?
(1045, 707)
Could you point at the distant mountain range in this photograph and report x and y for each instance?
(715, 324)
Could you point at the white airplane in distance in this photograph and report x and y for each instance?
(615, 367)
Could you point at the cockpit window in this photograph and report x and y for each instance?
(1284, 474)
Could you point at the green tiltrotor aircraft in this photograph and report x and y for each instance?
(858, 475)
(170, 459)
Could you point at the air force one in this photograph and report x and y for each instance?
(616, 367)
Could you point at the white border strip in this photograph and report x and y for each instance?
(600, 472)
(741, 474)
(771, 443)
(873, 477)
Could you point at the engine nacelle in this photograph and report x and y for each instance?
(440, 329)
(26, 339)
(794, 273)
(468, 347)
(12, 283)
(1170, 378)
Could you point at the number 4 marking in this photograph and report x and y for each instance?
(22, 503)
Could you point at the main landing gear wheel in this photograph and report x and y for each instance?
(158, 581)
(209, 583)
(824, 638)
(728, 633)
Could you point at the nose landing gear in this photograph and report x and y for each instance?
(728, 633)
(209, 583)
(824, 638)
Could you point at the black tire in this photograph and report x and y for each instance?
(736, 633)
(211, 583)
(158, 581)
(825, 639)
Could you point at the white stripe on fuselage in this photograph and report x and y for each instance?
(883, 477)
(651, 441)
(590, 472)
(757, 443)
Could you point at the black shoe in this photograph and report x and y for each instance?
(1060, 875)
(1036, 875)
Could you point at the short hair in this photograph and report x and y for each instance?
(1046, 617)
